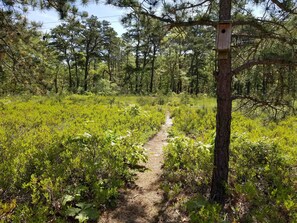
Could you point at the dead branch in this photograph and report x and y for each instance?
(285, 8)
(253, 103)
(172, 23)
(252, 63)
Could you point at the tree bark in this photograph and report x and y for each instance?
(137, 63)
(76, 70)
(197, 89)
(56, 83)
(142, 72)
(86, 74)
(223, 118)
(69, 74)
(153, 68)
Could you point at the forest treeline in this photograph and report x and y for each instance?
(84, 54)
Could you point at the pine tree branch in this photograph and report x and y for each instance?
(257, 101)
(204, 21)
(172, 23)
(252, 63)
(190, 6)
(290, 41)
(285, 8)
(251, 104)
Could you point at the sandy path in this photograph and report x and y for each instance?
(142, 204)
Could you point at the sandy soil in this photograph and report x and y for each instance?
(144, 202)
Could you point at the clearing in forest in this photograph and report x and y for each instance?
(142, 203)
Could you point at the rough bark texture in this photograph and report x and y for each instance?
(223, 119)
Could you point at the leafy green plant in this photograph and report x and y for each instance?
(262, 178)
(200, 210)
(64, 158)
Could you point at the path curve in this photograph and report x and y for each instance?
(142, 204)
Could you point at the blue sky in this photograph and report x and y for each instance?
(50, 18)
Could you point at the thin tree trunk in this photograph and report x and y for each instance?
(192, 74)
(223, 119)
(56, 81)
(197, 81)
(86, 74)
(248, 87)
(69, 75)
(110, 72)
(142, 72)
(153, 69)
(264, 84)
(137, 64)
(76, 72)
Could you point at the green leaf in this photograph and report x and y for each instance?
(82, 217)
(83, 205)
(195, 204)
(72, 211)
(67, 198)
(92, 213)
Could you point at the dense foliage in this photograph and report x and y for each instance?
(84, 54)
(263, 180)
(66, 158)
(167, 48)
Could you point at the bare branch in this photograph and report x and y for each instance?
(251, 104)
(172, 23)
(283, 7)
(204, 21)
(261, 25)
(190, 6)
(252, 63)
(290, 41)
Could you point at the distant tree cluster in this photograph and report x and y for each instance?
(84, 54)
(163, 52)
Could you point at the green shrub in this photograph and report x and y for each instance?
(263, 176)
(202, 211)
(64, 160)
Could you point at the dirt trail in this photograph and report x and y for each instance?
(142, 204)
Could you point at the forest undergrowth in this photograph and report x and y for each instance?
(65, 158)
(262, 180)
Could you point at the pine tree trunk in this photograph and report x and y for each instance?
(69, 75)
(56, 83)
(137, 64)
(86, 74)
(153, 69)
(223, 118)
